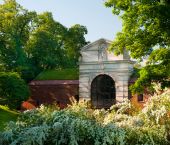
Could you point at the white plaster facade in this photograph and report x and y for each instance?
(96, 60)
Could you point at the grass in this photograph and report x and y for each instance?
(6, 115)
(59, 74)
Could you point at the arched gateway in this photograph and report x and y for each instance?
(103, 91)
(103, 77)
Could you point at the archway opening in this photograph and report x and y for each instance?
(103, 92)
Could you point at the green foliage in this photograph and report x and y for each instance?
(146, 32)
(158, 73)
(6, 115)
(74, 41)
(15, 27)
(31, 42)
(78, 124)
(13, 90)
(27, 72)
(59, 74)
(45, 46)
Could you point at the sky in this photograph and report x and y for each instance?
(98, 19)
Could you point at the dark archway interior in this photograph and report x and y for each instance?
(103, 92)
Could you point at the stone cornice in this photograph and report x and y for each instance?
(107, 62)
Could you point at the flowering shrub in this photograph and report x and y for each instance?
(80, 125)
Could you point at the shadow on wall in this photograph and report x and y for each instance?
(51, 92)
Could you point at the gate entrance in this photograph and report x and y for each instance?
(103, 92)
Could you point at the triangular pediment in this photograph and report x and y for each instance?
(96, 45)
(98, 51)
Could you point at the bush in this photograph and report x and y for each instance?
(79, 125)
(13, 90)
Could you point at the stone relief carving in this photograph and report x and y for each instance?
(102, 52)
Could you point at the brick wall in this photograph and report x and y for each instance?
(134, 98)
(54, 91)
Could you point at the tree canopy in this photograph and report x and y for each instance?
(31, 42)
(14, 33)
(145, 33)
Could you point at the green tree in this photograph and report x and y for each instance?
(15, 25)
(31, 42)
(13, 90)
(74, 41)
(45, 47)
(145, 32)
(51, 45)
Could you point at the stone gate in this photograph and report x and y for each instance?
(103, 76)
